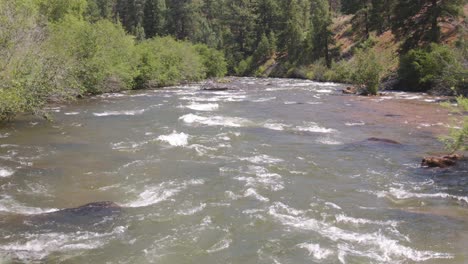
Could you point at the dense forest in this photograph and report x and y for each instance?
(61, 49)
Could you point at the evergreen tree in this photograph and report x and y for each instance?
(100, 9)
(180, 16)
(418, 21)
(322, 35)
(239, 36)
(293, 32)
(154, 18)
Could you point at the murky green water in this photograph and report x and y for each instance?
(276, 171)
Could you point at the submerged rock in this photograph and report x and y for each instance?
(441, 162)
(383, 140)
(88, 214)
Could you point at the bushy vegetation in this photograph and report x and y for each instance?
(100, 56)
(436, 66)
(165, 61)
(50, 50)
(457, 140)
(368, 71)
(58, 49)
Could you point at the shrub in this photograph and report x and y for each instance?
(29, 75)
(423, 69)
(458, 136)
(100, 55)
(165, 61)
(368, 71)
(213, 60)
(244, 67)
(342, 71)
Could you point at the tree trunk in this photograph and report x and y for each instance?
(435, 32)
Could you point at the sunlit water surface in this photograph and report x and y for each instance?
(275, 171)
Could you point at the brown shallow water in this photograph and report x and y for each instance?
(275, 171)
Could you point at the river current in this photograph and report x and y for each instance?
(274, 171)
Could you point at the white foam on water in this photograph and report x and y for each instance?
(328, 141)
(316, 250)
(10, 205)
(314, 128)
(221, 245)
(373, 245)
(162, 192)
(127, 145)
(215, 120)
(201, 149)
(193, 210)
(175, 139)
(6, 172)
(324, 91)
(111, 95)
(203, 107)
(290, 102)
(342, 218)
(72, 113)
(263, 178)
(333, 205)
(402, 194)
(39, 246)
(251, 192)
(275, 126)
(355, 124)
(262, 159)
(226, 97)
(120, 113)
(263, 99)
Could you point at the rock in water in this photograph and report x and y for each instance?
(89, 214)
(384, 140)
(441, 162)
(350, 90)
(215, 86)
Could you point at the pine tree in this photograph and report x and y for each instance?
(293, 32)
(239, 36)
(154, 18)
(418, 21)
(180, 18)
(322, 35)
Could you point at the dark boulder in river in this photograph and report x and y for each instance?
(350, 90)
(86, 215)
(441, 162)
(383, 140)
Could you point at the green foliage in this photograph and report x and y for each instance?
(342, 71)
(423, 69)
(458, 136)
(213, 61)
(368, 71)
(56, 10)
(165, 61)
(417, 22)
(100, 55)
(264, 50)
(244, 67)
(29, 75)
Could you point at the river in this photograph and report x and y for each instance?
(274, 171)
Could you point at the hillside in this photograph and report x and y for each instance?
(347, 39)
